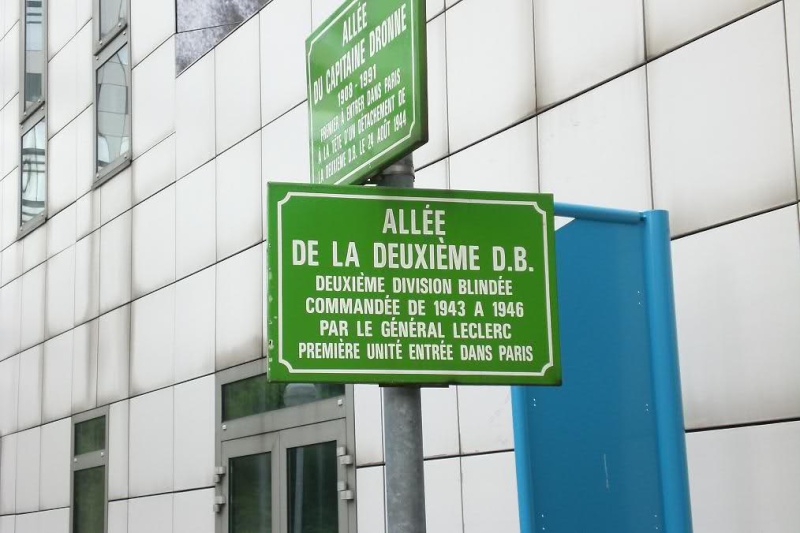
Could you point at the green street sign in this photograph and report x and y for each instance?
(366, 74)
(379, 285)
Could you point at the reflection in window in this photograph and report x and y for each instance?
(313, 505)
(89, 500)
(34, 52)
(256, 395)
(112, 15)
(90, 435)
(113, 109)
(250, 494)
(33, 181)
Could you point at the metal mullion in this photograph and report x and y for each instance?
(281, 419)
(89, 460)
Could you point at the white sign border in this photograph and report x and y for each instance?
(376, 372)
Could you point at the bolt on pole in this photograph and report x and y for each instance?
(402, 422)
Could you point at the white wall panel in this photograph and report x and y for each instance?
(151, 446)
(28, 523)
(371, 509)
(237, 92)
(9, 117)
(194, 433)
(56, 521)
(62, 169)
(29, 407)
(9, 395)
(737, 294)
(284, 152)
(10, 204)
(10, 318)
(8, 474)
(368, 405)
(87, 214)
(113, 355)
(11, 262)
(60, 24)
(61, 231)
(152, 22)
(7, 524)
(154, 170)
(484, 415)
(433, 8)
(55, 467)
(504, 162)
(195, 325)
(580, 43)
(115, 262)
(118, 517)
(239, 197)
(484, 93)
(116, 196)
(84, 366)
(490, 482)
(792, 18)
(118, 440)
(153, 341)
(321, 10)
(34, 248)
(10, 75)
(69, 81)
(239, 308)
(87, 278)
(150, 515)
(193, 512)
(443, 509)
(195, 115)
(57, 377)
(153, 89)
(285, 24)
(28, 461)
(154, 242)
(709, 163)
(60, 293)
(196, 220)
(608, 128)
(673, 22)
(439, 421)
(84, 148)
(746, 479)
(437, 145)
(10, 15)
(435, 176)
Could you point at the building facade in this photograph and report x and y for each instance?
(136, 141)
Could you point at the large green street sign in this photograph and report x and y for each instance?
(379, 285)
(366, 77)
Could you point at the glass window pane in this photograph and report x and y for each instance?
(112, 13)
(256, 395)
(89, 500)
(33, 180)
(250, 488)
(34, 52)
(90, 436)
(113, 109)
(313, 502)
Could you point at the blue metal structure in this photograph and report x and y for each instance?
(605, 452)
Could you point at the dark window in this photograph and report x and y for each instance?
(89, 504)
(90, 436)
(256, 395)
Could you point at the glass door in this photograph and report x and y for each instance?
(288, 481)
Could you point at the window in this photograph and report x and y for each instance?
(89, 471)
(283, 455)
(112, 100)
(33, 82)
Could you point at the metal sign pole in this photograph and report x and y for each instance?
(402, 422)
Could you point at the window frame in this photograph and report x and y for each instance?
(89, 460)
(26, 113)
(104, 48)
(303, 425)
(124, 160)
(30, 116)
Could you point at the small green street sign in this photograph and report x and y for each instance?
(366, 74)
(380, 285)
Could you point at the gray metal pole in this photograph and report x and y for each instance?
(402, 423)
